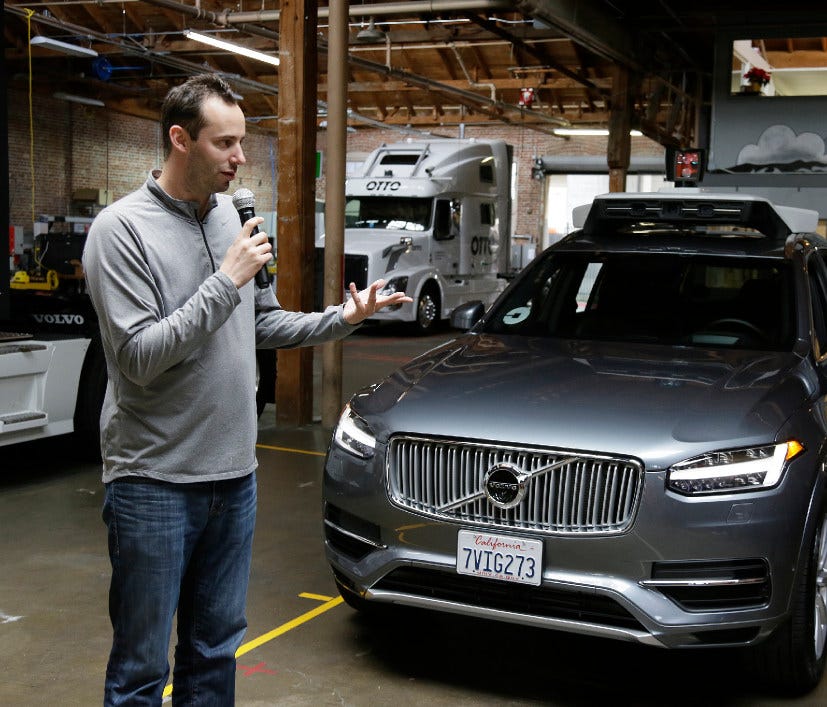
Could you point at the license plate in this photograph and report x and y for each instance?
(501, 557)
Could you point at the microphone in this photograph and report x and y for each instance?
(244, 201)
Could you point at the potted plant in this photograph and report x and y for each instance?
(757, 78)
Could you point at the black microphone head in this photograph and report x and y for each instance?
(244, 199)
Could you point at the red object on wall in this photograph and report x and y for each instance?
(526, 97)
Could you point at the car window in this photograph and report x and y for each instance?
(818, 299)
(657, 298)
(587, 284)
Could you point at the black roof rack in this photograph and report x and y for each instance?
(610, 211)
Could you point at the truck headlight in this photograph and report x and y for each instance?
(354, 435)
(396, 284)
(732, 470)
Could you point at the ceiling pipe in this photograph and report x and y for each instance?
(493, 107)
(587, 23)
(471, 82)
(138, 50)
(418, 7)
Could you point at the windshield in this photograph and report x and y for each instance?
(395, 214)
(658, 298)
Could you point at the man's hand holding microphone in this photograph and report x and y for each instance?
(248, 254)
(255, 245)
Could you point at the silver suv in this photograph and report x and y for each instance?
(630, 443)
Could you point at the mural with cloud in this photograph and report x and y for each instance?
(779, 149)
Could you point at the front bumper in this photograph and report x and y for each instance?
(687, 572)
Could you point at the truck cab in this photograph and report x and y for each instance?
(432, 218)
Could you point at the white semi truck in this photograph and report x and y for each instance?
(433, 218)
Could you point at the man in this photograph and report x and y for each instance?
(170, 275)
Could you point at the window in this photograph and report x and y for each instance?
(655, 298)
(400, 158)
(396, 214)
(818, 299)
(783, 66)
(443, 221)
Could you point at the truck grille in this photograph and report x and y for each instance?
(567, 492)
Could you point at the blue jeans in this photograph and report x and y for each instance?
(184, 547)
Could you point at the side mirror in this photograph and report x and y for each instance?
(467, 315)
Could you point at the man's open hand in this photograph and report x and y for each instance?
(364, 304)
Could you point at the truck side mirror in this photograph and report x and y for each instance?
(467, 315)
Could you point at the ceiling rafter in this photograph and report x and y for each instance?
(441, 60)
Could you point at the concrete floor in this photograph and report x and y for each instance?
(303, 646)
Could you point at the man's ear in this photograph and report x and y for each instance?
(179, 138)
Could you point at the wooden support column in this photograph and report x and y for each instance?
(334, 246)
(296, 198)
(620, 122)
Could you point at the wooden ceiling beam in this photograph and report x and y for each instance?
(102, 20)
(515, 84)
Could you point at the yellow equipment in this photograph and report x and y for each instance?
(24, 281)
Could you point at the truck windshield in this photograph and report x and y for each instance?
(388, 212)
(671, 299)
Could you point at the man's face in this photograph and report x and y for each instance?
(216, 155)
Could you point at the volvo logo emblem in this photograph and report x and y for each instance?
(505, 485)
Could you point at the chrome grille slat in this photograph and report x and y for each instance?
(568, 493)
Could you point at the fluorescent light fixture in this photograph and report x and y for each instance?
(227, 46)
(595, 132)
(72, 98)
(62, 47)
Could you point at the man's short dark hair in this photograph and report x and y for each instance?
(182, 105)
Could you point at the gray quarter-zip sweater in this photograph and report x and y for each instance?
(180, 338)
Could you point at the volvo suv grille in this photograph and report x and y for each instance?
(549, 491)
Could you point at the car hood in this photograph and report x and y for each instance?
(657, 403)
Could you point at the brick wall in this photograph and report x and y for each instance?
(76, 146)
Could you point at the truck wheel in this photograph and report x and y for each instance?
(792, 659)
(91, 391)
(427, 310)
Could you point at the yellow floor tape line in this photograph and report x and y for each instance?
(328, 604)
(288, 449)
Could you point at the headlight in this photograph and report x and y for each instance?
(397, 284)
(354, 434)
(733, 470)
